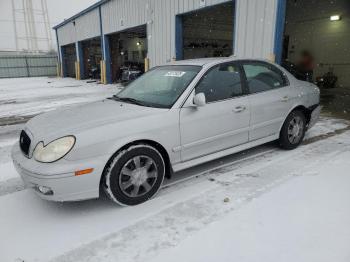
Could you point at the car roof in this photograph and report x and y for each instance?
(209, 62)
(199, 61)
(212, 60)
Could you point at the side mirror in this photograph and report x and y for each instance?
(199, 100)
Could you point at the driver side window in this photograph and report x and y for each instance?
(220, 83)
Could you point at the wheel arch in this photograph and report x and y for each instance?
(152, 143)
(306, 111)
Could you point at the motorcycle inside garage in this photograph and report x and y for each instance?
(128, 51)
(92, 57)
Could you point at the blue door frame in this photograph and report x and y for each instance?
(107, 58)
(279, 33)
(105, 50)
(179, 29)
(63, 62)
(179, 40)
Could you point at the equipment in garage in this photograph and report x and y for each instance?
(128, 51)
(92, 58)
(207, 32)
(322, 30)
(69, 56)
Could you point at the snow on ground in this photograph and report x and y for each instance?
(305, 219)
(22, 97)
(280, 205)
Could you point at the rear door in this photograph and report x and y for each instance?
(223, 122)
(269, 96)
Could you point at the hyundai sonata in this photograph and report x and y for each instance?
(173, 117)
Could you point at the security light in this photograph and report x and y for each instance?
(335, 18)
(138, 43)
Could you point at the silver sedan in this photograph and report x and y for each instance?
(173, 117)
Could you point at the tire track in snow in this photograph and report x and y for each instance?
(241, 184)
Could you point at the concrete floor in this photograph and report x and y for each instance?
(336, 102)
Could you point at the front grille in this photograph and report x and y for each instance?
(24, 142)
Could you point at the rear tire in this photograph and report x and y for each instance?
(134, 175)
(293, 130)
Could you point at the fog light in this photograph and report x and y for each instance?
(45, 190)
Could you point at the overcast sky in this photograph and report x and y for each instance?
(58, 11)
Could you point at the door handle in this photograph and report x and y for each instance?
(239, 109)
(285, 99)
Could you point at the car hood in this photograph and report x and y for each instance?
(71, 120)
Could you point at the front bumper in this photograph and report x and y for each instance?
(60, 177)
(315, 115)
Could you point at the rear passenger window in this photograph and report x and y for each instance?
(263, 77)
(220, 83)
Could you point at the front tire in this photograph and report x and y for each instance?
(134, 175)
(293, 130)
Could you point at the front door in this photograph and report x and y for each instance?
(223, 122)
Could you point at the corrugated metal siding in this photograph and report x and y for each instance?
(118, 15)
(161, 32)
(255, 24)
(88, 25)
(28, 66)
(66, 34)
(255, 28)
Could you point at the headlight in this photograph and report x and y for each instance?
(54, 150)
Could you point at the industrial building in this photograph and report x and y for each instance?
(113, 34)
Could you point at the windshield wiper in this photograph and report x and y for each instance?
(128, 100)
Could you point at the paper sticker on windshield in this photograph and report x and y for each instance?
(175, 74)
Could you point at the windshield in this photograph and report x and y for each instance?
(159, 87)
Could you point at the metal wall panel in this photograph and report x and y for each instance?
(28, 66)
(119, 15)
(66, 34)
(254, 36)
(88, 25)
(255, 28)
(161, 30)
(159, 15)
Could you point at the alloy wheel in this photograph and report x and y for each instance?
(138, 176)
(295, 130)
